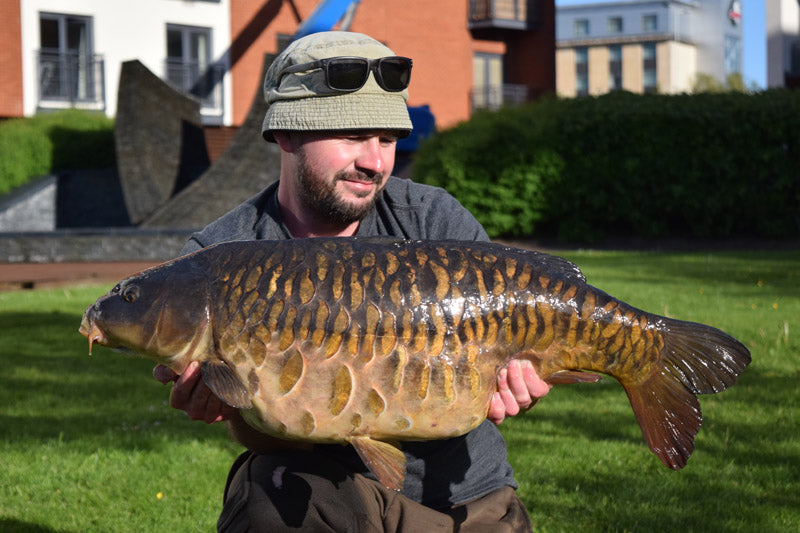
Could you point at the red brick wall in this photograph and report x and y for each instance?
(531, 57)
(10, 59)
(218, 138)
(434, 34)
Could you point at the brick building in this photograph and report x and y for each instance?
(467, 53)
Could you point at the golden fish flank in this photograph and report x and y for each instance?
(373, 341)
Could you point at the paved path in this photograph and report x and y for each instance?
(30, 275)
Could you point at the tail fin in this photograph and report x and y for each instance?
(696, 359)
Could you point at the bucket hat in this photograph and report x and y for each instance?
(302, 101)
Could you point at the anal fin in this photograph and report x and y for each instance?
(385, 460)
(669, 416)
(223, 382)
(565, 377)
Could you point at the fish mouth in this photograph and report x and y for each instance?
(92, 331)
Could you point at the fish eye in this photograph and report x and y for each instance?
(130, 294)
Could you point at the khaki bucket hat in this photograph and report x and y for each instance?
(302, 101)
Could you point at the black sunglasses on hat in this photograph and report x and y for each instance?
(349, 74)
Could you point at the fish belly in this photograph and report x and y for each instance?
(391, 396)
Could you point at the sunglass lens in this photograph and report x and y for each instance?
(347, 74)
(395, 73)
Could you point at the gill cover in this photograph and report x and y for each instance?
(161, 313)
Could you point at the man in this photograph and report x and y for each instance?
(337, 105)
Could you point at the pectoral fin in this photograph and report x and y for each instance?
(224, 384)
(385, 460)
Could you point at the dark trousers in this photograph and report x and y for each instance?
(302, 491)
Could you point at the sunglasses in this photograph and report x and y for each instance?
(349, 74)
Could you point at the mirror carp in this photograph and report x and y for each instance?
(375, 341)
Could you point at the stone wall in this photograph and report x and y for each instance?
(86, 245)
(31, 207)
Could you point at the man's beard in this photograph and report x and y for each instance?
(319, 196)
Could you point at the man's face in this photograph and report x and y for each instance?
(340, 175)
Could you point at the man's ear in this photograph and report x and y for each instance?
(284, 140)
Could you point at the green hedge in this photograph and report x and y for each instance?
(46, 143)
(696, 166)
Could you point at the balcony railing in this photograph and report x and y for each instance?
(496, 96)
(204, 83)
(501, 14)
(70, 79)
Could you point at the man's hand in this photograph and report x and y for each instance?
(191, 394)
(518, 389)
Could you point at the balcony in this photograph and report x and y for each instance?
(202, 82)
(501, 14)
(70, 79)
(496, 96)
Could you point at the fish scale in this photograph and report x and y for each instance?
(364, 301)
(371, 341)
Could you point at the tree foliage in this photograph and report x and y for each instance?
(709, 165)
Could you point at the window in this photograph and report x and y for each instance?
(582, 71)
(614, 68)
(581, 27)
(733, 55)
(614, 24)
(649, 67)
(794, 59)
(649, 23)
(189, 67)
(68, 69)
(487, 81)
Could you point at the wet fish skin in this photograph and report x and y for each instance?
(368, 340)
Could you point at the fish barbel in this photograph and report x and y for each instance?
(375, 341)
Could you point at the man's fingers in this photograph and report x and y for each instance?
(517, 386)
(506, 395)
(537, 387)
(184, 387)
(497, 409)
(213, 410)
(164, 374)
(192, 395)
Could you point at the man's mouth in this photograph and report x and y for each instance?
(361, 184)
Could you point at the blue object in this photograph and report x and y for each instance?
(424, 126)
(324, 17)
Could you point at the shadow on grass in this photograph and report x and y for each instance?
(52, 390)
(18, 526)
(743, 470)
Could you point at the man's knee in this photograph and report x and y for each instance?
(290, 490)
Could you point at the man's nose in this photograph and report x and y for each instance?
(371, 157)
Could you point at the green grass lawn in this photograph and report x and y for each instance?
(89, 443)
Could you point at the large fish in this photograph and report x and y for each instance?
(374, 341)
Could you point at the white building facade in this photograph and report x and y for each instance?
(783, 43)
(646, 46)
(72, 51)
